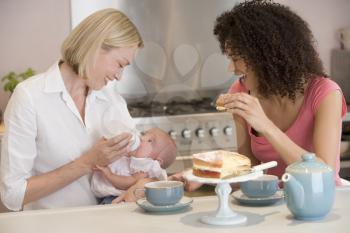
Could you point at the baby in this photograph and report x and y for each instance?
(155, 153)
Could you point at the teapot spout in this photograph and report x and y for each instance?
(293, 190)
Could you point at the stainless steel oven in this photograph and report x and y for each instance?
(194, 125)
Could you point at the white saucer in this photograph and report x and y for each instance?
(258, 201)
(244, 177)
(144, 204)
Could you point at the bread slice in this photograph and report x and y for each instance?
(220, 104)
(221, 109)
(220, 164)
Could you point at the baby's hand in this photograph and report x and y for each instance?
(189, 185)
(105, 170)
(140, 175)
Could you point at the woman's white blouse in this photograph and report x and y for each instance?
(44, 130)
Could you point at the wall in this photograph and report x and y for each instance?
(30, 35)
(32, 31)
(325, 17)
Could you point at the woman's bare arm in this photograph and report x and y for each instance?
(45, 184)
(243, 139)
(102, 153)
(326, 135)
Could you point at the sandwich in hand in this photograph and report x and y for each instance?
(220, 104)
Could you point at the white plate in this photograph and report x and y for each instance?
(252, 175)
(258, 201)
(144, 204)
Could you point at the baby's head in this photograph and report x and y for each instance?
(156, 144)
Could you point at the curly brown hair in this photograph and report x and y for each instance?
(275, 43)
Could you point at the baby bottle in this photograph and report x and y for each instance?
(112, 128)
(135, 140)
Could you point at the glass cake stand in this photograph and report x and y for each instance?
(224, 215)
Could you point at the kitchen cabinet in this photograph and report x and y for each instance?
(345, 149)
(340, 73)
(340, 70)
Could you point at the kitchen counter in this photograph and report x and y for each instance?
(130, 218)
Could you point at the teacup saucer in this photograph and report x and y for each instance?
(258, 201)
(144, 204)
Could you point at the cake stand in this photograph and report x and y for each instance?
(224, 215)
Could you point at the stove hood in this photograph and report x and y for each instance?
(181, 57)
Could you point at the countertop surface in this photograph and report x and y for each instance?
(127, 218)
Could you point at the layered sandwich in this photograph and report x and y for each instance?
(220, 164)
(220, 104)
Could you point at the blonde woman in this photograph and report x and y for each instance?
(53, 137)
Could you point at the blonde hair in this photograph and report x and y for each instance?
(108, 28)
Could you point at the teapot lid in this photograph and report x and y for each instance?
(309, 164)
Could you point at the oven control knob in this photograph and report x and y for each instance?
(173, 134)
(214, 132)
(186, 133)
(200, 133)
(228, 130)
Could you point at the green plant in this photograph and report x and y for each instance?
(12, 79)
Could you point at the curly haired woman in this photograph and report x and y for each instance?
(283, 105)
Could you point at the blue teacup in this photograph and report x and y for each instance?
(162, 193)
(263, 186)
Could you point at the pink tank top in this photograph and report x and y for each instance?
(301, 130)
